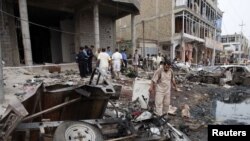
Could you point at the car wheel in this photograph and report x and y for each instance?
(77, 131)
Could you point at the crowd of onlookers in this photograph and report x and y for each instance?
(114, 62)
(104, 59)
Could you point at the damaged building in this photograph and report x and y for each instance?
(35, 32)
(235, 46)
(187, 29)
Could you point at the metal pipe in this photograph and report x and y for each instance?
(52, 109)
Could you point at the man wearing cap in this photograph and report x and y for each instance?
(160, 88)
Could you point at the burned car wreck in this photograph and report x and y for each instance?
(64, 113)
(232, 74)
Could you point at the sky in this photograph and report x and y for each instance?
(235, 12)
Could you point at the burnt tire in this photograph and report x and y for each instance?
(76, 130)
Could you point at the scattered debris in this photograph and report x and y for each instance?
(185, 111)
(172, 110)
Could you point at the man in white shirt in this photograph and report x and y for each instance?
(159, 59)
(117, 59)
(103, 59)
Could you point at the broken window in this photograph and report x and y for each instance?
(223, 39)
(238, 69)
(178, 24)
(181, 3)
(236, 47)
(231, 39)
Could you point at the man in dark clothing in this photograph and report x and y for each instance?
(90, 54)
(82, 60)
(86, 58)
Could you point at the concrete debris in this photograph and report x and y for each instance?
(180, 78)
(52, 68)
(185, 111)
(195, 126)
(172, 110)
(227, 86)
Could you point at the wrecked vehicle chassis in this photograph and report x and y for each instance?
(63, 112)
(60, 112)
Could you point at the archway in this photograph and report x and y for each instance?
(178, 51)
(195, 56)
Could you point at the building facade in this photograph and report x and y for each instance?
(187, 29)
(34, 32)
(236, 47)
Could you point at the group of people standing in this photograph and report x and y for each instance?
(84, 59)
(109, 61)
(148, 63)
(106, 60)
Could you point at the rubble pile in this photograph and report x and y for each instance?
(20, 81)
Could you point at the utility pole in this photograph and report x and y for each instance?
(1, 73)
(143, 38)
(241, 36)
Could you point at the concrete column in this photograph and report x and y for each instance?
(25, 32)
(133, 33)
(77, 30)
(196, 54)
(182, 39)
(96, 26)
(172, 51)
(213, 55)
(183, 53)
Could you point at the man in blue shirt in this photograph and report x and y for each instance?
(109, 51)
(124, 59)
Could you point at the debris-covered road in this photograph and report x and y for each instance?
(206, 104)
(193, 109)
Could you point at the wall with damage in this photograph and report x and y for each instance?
(157, 17)
(67, 41)
(10, 52)
(107, 26)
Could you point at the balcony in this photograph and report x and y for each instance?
(210, 43)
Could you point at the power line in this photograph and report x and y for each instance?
(235, 11)
(43, 26)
